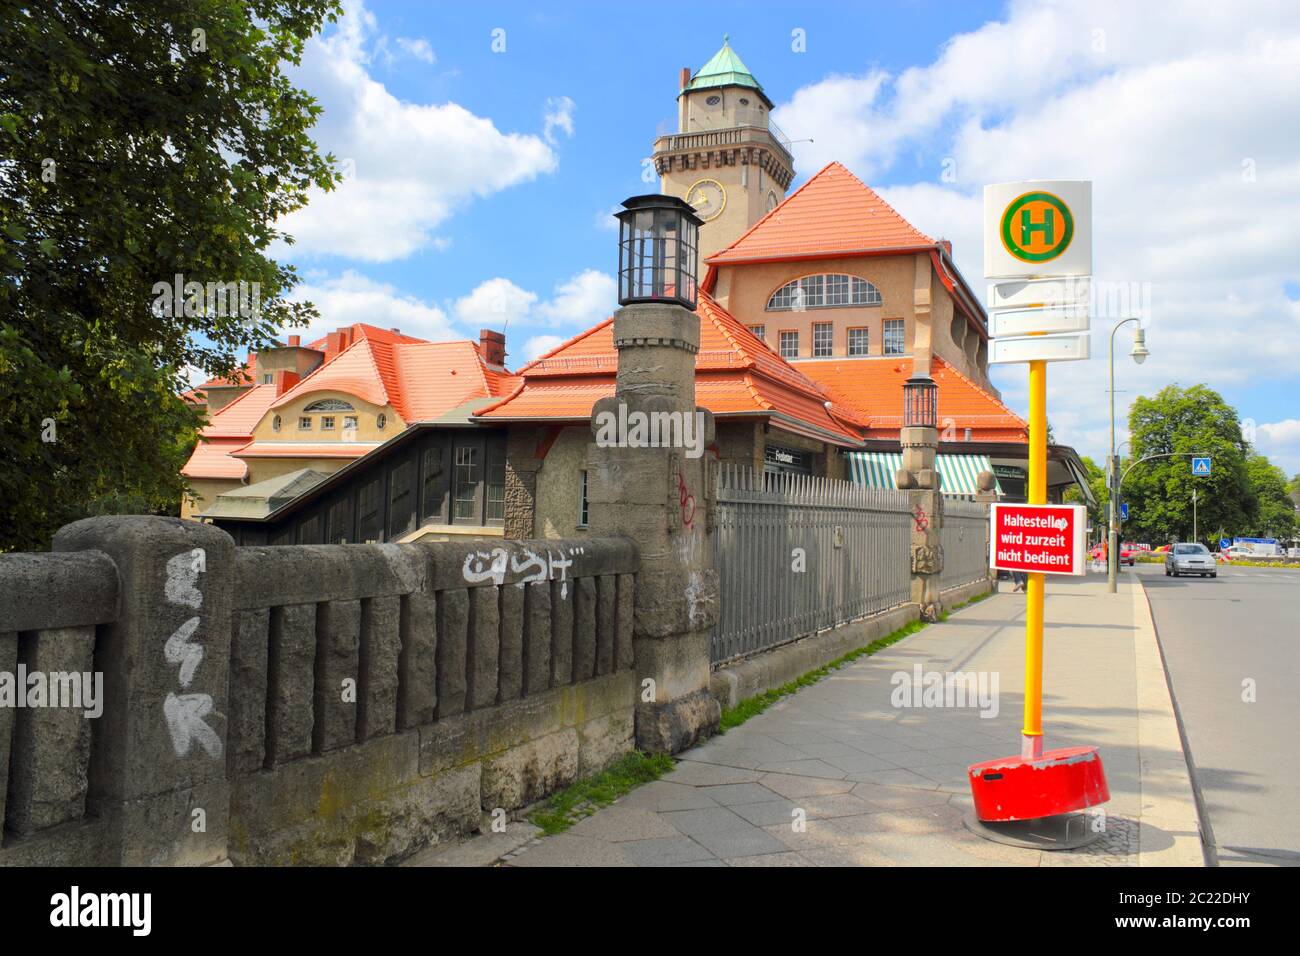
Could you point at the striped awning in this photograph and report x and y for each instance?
(876, 469)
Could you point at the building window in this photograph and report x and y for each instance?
(401, 503)
(268, 378)
(328, 405)
(859, 342)
(822, 292)
(823, 333)
(789, 345)
(895, 342)
(381, 420)
(327, 423)
(494, 504)
(465, 477)
(349, 422)
(339, 519)
(275, 423)
(304, 423)
(582, 507)
(369, 505)
(760, 331)
(435, 485)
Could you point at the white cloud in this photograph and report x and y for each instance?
(582, 301)
(605, 218)
(1281, 442)
(411, 164)
(352, 297)
(417, 47)
(539, 345)
(559, 116)
(1175, 114)
(494, 304)
(574, 305)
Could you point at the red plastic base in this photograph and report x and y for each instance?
(1060, 781)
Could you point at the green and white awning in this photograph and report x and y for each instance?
(876, 469)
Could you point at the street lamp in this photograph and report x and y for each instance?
(658, 239)
(1139, 354)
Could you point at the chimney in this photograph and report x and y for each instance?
(492, 345)
(285, 379)
(332, 347)
(295, 341)
(686, 77)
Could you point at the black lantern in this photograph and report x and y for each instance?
(657, 241)
(920, 402)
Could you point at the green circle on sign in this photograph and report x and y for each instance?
(1067, 228)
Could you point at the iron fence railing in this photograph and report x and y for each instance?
(965, 543)
(796, 555)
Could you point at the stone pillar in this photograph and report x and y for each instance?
(920, 479)
(986, 482)
(659, 495)
(158, 777)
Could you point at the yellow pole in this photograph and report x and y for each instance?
(1033, 729)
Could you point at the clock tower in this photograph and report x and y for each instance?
(727, 158)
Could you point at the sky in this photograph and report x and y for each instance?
(485, 146)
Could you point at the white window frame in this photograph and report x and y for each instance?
(781, 340)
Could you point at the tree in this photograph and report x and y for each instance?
(1098, 514)
(138, 143)
(1181, 422)
(1274, 515)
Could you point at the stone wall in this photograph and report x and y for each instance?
(328, 704)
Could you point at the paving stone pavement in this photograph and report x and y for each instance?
(837, 775)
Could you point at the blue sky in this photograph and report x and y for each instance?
(488, 142)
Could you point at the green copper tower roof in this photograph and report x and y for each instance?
(725, 69)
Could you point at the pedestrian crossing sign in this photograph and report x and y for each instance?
(1200, 467)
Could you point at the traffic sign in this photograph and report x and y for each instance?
(1069, 292)
(1224, 544)
(1038, 228)
(1123, 510)
(1200, 467)
(1011, 322)
(1046, 538)
(1040, 348)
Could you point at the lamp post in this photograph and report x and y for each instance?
(1139, 354)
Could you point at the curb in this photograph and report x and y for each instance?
(1169, 830)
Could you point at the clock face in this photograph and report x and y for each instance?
(708, 197)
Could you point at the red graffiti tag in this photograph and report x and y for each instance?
(922, 519)
(686, 501)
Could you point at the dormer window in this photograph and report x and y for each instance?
(329, 405)
(830, 290)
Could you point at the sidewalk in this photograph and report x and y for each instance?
(881, 785)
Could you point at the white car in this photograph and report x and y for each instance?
(1190, 559)
(1239, 552)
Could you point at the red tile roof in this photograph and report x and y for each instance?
(874, 386)
(302, 449)
(833, 214)
(736, 374)
(421, 380)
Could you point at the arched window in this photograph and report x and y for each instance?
(823, 292)
(329, 405)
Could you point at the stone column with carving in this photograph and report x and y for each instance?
(660, 497)
(986, 494)
(920, 479)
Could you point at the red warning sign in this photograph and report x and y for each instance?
(1047, 538)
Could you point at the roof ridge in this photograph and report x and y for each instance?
(975, 385)
(564, 345)
(767, 215)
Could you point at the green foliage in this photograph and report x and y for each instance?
(1097, 514)
(585, 797)
(1274, 515)
(1186, 421)
(133, 149)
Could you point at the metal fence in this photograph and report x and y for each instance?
(796, 555)
(965, 543)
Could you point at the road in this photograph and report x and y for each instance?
(1219, 637)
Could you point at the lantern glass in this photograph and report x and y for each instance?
(657, 251)
(920, 403)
